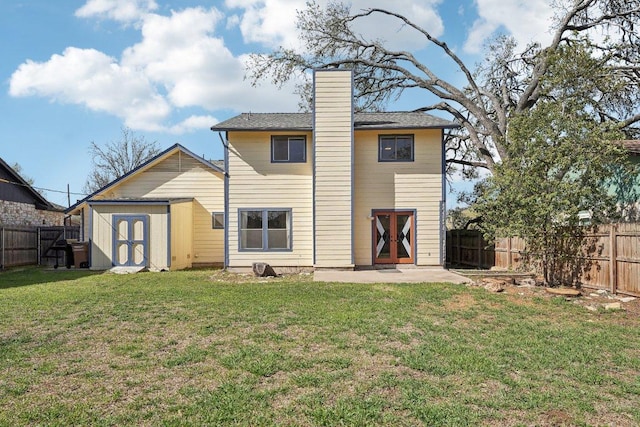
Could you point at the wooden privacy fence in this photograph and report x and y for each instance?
(468, 248)
(610, 260)
(31, 245)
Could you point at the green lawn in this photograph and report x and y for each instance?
(209, 348)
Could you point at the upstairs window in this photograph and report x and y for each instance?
(395, 148)
(288, 149)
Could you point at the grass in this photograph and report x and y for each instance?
(205, 347)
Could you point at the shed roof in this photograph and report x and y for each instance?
(304, 121)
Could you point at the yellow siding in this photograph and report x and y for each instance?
(333, 138)
(178, 176)
(255, 182)
(102, 242)
(413, 185)
(181, 235)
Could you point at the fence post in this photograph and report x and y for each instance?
(508, 253)
(2, 238)
(39, 247)
(613, 259)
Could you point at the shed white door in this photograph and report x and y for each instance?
(130, 240)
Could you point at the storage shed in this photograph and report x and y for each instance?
(161, 216)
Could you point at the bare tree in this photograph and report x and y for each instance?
(506, 84)
(117, 158)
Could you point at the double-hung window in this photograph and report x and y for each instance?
(265, 229)
(395, 148)
(288, 149)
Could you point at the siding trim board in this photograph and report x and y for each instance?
(443, 203)
(225, 147)
(169, 237)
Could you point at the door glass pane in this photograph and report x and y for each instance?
(404, 236)
(383, 241)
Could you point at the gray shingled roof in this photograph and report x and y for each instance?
(304, 121)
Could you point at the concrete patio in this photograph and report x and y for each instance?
(392, 275)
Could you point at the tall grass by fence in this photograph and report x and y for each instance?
(31, 245)
(610, 260)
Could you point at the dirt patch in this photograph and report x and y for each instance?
(460, 302)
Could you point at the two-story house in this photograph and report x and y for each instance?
(334, 188)
(328, 189)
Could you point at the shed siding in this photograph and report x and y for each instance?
(181, 235)
(333, 144)
(102, 240)
(413, 185)
(256, 183)
(181, 175)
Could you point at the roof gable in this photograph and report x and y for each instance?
(14, 179)
(163, 156)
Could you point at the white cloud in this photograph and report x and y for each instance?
(194, 123)
(91, 78)
(178, 63)
(118, 10)
(196, 69)
(268, 22)
(525, 21)
(272, 22)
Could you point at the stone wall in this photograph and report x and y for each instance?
(24, 214)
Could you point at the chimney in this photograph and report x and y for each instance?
(333, 168)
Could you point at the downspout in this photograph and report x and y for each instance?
(225, 144)
(443, 203)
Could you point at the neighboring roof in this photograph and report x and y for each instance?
(219, 164)
(632, 145)
(146, 165)
(304, 121)
(40, 201)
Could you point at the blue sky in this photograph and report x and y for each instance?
(77, 71)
